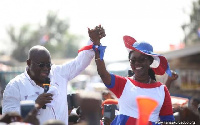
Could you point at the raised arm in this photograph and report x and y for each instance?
(71, 69)
(101, 68)
(171, 79)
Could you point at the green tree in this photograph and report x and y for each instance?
(53, 34)
(193, 36)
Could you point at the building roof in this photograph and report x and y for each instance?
(187, 51)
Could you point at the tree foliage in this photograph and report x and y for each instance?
(194, 27)
(53, 34)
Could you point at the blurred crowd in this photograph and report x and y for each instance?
(100, 108)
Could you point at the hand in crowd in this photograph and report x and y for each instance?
(11, 117)
(186, 114)
(106, 121)
(31, 117)
(171, 79)
(43, 99)
(96, 34)
(174, 76)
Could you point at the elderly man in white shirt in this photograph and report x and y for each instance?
(29, 85)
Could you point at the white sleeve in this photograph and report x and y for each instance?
(11, 99)
(76, 66)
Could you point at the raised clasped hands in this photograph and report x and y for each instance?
(96, 34)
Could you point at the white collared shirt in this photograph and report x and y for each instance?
(23, 88)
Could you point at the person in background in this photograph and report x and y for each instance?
(54, 122)
(89, 111)
(15, 118)
(189, 116)
(193, 105)
(145, 65)
(106, 94)
(106, 120)
(11, 117)
(29, 85)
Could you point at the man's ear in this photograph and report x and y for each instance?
(28, 62)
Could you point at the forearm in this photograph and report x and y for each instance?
(71, 69)
(171, 79)
(168, 83)
(95, 35)
(101, 69)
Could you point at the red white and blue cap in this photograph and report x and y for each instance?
(159, 65)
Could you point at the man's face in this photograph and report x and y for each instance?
(39, 67)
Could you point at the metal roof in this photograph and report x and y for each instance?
(187, 51)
